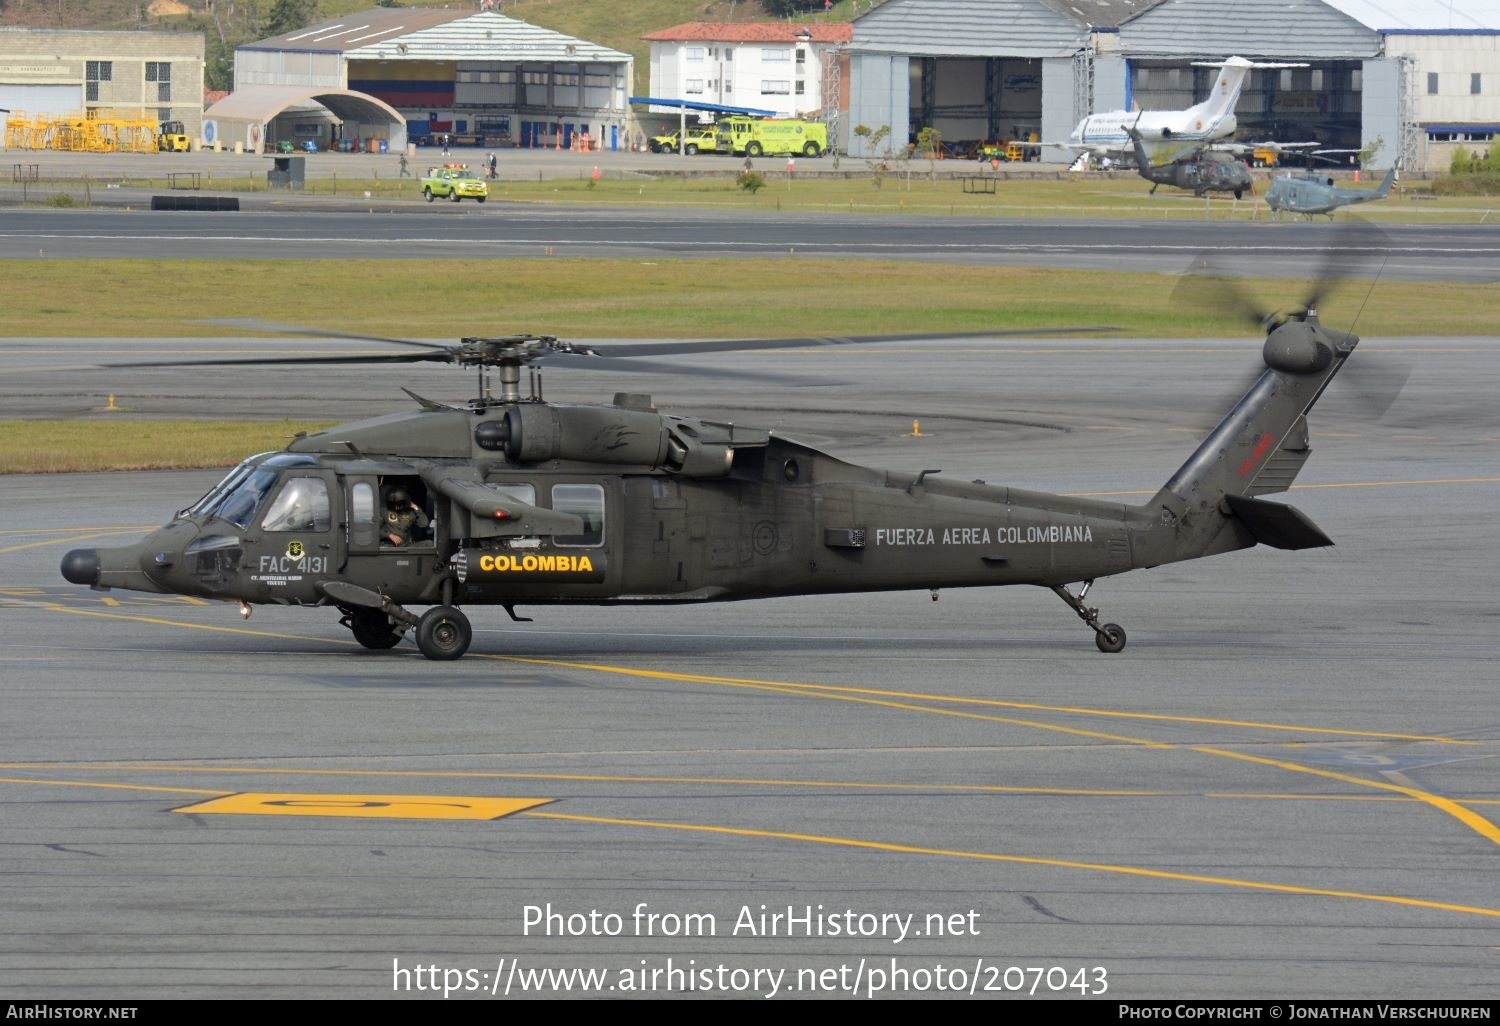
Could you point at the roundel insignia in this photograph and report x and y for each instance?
(294, 550)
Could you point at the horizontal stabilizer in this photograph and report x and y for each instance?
(1276, 525)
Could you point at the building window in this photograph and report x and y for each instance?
(693, 87)
(1285, 83)
(728, 86)
(1474, 83)
(775, 87)
(775, 56)
(1315, 80)
(1356, 80)
(729, 53)
(1432, 83)
(164, 113)
(801, 87)
(801, 56)
(160, 72)
(94, 73)
(694, 53)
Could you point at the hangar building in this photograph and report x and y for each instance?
(1414, 78)
(402, 74)
(62, 71)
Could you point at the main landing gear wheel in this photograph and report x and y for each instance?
(372, 629)
(1111, 638)
(443, 633)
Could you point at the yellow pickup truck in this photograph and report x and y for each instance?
(699, 140)
(454, 182)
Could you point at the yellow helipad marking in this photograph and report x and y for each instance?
(69, 540)
(1470, 819)
(365, 806)
(83, 530)
(1028, 860)
(617, 778)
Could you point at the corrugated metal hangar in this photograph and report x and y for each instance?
(482, 79)
(1416, 79)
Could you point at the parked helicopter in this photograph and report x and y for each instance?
(1203, 171)
(1313, 192)
(533, 502)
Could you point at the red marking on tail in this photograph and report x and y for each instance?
(1261, 448)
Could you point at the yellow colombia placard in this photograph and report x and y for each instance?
(376, 806)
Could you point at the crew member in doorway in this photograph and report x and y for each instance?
(404, 520)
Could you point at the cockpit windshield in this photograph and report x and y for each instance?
(239, 495)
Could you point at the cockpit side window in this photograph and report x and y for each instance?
(301, 505)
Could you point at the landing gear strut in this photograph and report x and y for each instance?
(1110, 637)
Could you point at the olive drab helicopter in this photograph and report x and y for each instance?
(511, 500)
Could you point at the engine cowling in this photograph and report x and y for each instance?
(609, 435)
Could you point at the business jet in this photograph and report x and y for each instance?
(1169, 134)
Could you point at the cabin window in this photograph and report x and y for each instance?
(362, 503)
(301, 505)
(585, 501)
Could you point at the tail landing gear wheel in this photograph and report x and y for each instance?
(1111, 638)
(372, 629)
(443, 633)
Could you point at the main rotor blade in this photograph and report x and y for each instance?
(271, 327)
(608, 362)
(731, 345)
(440, 356)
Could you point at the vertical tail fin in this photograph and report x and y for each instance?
(1210, 503)
(1225, 93)
(1219, 106)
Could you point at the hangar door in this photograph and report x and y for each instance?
(1319, 103)
(974, 100)
(39, 99)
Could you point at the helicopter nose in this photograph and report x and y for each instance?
(81, 566)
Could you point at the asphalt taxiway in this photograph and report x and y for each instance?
(1284, 786)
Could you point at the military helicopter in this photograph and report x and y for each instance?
(535, 503)
(1202, 170)
(1312, 192)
